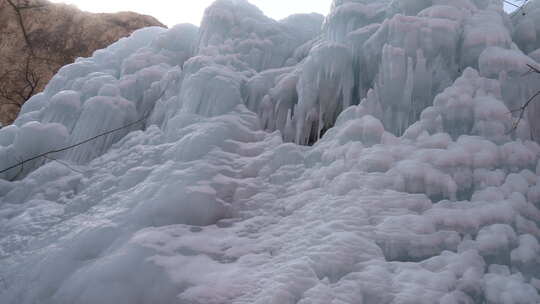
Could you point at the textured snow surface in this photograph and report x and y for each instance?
(414, 187)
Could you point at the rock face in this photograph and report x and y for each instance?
(38, 37)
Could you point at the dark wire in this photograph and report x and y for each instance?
(77, 144)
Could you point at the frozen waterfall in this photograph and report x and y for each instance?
(370, 157)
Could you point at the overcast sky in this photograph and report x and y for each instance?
(171, 12)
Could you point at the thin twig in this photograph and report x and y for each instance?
(36, 6)
(533, 68)
(21, 24)
(510, 3)
(520, 8)
(20, 96)
(32, 81)
(522, 110)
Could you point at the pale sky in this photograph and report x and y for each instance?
(171, 12)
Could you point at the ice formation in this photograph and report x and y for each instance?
(370, 157)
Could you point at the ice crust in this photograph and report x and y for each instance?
(370, 157)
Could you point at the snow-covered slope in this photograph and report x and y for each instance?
(418, 188)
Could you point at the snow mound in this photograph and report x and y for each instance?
(370, 157)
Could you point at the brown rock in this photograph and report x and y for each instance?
(38, 37)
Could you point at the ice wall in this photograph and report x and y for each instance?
(370, 158)
(405, 51)
(238, 29)
(526, 26)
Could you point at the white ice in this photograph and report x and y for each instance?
(372, 157)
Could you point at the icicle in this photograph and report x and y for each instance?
(326, 83)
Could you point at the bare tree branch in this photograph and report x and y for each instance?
(34, 6)
(511, 3)
(524, 107)
(533, 69)
(522, 111)
(17, 10)
(31, 82)
(520, 8)
(11, 95)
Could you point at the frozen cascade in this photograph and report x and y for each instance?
(324, 89)
(509, 66)
(347, 16)
(416, 55)
(526, 27)
(237, 29)
(485, 28)
(415, 186)
(113, 112)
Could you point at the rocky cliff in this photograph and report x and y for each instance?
(38, 37)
